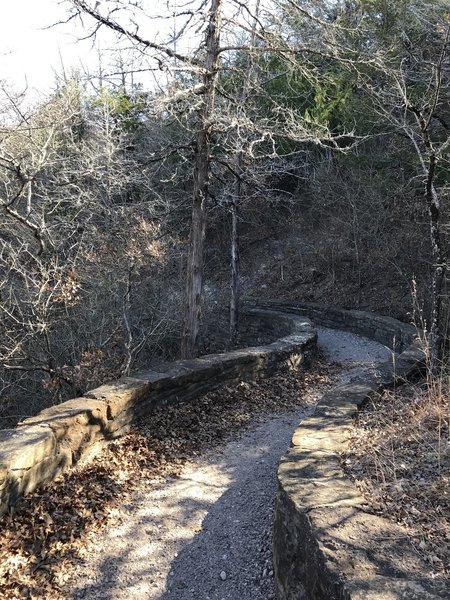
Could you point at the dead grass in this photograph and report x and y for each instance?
(399, 456)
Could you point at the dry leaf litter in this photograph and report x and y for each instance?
(46, 536)
(399, 456)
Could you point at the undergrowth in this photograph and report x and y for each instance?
(399, 456)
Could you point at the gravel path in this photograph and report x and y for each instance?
(207, 534)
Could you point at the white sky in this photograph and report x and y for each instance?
(28, 52)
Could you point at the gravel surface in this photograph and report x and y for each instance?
(207, 534)
(353, 352)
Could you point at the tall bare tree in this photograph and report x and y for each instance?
(206, 67)
(409, 87)
(244, 32)
(194, 278)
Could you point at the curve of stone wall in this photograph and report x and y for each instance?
(385, 330)
(41, 447)
(318, 509)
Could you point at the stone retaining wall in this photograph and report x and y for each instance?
(256, 329)
(41, 447)
(323, 546)
(387, 331)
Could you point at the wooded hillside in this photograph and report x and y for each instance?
(287, 149)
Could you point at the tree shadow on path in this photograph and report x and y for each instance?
(227, 506)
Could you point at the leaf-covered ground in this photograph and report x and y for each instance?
(42, 541)
(399, 456)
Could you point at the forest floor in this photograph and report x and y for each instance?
(181, 508)
(399, 457)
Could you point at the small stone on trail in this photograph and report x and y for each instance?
(223, 575)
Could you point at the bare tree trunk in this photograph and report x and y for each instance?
(194, 276)
(435, 334)
(437, 268)
(234, 242)
(429, 165)
(234, 284)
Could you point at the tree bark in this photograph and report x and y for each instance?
(437, 268)
(435, 334)
(234, 284)
(194, 274)
(237, 199)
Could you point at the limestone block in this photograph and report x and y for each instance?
(372, 555)
(298, 463)
(125, 393)
(330, 553)
(22, 448)
(314, 478)
(4, 471)
(300, 569)
(356, 393)
(317, 493)
(78, 412)
(45, 471)
(321, 433)
(20, 451)
(77, 423)
(391, 373)
(340, 411)
(414, 354)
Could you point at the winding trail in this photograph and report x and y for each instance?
(207, 534)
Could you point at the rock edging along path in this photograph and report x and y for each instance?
(207, 535)
(41, 447)
(322, 533)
